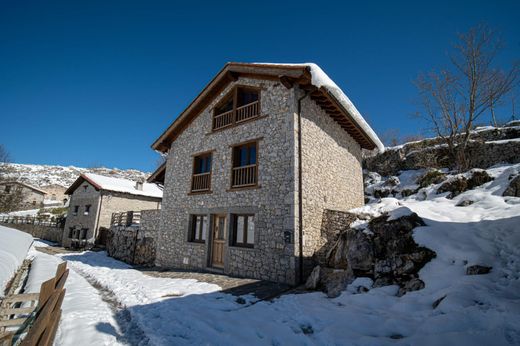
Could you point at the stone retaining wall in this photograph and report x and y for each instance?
(333, 223)
(135, 245)
(481, 154)
(37, 231)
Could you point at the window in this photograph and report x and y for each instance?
(198, 228)
(244, 230)
(83, 234)
(201, 178)
(71, 232)
(53, 197)
(76, 210)
(87, 209)
(7, 189)
(243, 103)
(244, 172)
(85, 187)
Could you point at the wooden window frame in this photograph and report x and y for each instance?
(194, 160)
(233, 93)
(233, 147)
(193, 232)
(234, 231)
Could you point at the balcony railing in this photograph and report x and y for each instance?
(201, 182)
(244, 176)
(223, 120)
(242, 113)
(247, 111)
(126, 218)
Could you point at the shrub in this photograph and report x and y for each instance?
(430, 178)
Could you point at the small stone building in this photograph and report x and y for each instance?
(31, 197)
(93, 200)
(253, 163)
(55, 194)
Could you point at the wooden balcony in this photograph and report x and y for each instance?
(244, 176)
(222, 120)
(247, 111)
(237, 115)
(201, 182)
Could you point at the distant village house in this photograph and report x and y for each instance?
(93, 200)
(15, 195)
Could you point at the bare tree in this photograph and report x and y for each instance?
(453, 99)
(391, 137)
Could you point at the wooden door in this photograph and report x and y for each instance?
(219, 239)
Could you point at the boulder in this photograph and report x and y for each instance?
(513, 189)
(464, 203)
(477, 270)
(313, 279)
(353, 249)
(335, 281)
(454, 187)
(478, 177)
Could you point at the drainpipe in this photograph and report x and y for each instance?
(300, 188)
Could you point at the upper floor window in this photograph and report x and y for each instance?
(245, 167)
(243, 103)
(87, 209)
(85, 187)
(201, 178)
(76, 209)
(8, 189)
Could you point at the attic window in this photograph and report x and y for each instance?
(85, 187)
(241, 104)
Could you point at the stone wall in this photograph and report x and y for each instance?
(488, 148)
(272, 257)
(43, 232)
(332, 173)
(130, 246)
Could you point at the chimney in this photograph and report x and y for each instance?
(139, 185)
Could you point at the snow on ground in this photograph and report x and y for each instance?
(13, 250)
(109, 302)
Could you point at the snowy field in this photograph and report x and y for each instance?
(109, 303)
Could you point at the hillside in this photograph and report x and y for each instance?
(43, 175)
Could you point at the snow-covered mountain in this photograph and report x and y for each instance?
(43, 175)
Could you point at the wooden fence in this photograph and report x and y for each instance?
(126, 218)
(37, 314)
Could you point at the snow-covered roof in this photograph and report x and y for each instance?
(308, 75)
(101, 182)
(321, 79)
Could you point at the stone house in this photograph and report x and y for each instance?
(31, 197)
(55, 194)
(93, 200)
(239, 155)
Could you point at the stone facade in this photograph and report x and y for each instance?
(332, 179)
(332, 173)
(56, 193)
(32, 198)
(102, 205)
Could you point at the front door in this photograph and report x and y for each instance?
(218, 240)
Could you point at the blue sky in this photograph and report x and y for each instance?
(95, 83)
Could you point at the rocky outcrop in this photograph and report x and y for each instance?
(513, 189)
(461, 184)
(487, 148)
(386, 252)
